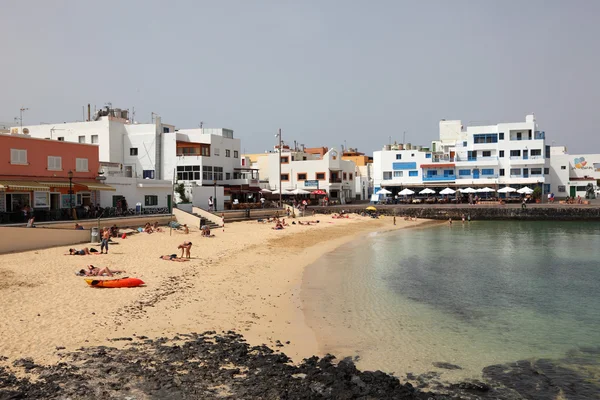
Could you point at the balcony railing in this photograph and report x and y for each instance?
(482, 159)
(540, 135)
(335, 180)
(179, 154)
(439, 178)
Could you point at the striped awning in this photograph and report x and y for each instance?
(23, 185)
(57, 184)
(97, 186)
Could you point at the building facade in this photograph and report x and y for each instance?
(572, 173)
(506, 154)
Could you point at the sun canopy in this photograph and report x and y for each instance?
(98, 186)
(299, 191)
(507, 189)
(282, 192)
(24, 185)
(384, 191)
(318, 191)
(265, 190)
(448, 191)
(467, 190)
(406, 192)
(427, 191)
(525, 190)
(371, 208)
(485, 190)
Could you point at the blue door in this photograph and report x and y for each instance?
(525, 154)
(476, 173)
(525, 172)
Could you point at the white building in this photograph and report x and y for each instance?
(157, 151)
(512, 154)
(572, 173)
(308, 171)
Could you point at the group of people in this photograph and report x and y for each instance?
(151, 228)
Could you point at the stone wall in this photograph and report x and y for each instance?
(531, 213)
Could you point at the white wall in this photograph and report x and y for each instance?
(200, 195)
(129, 187)
(575, 166)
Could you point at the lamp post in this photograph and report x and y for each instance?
(70, 175)
(279, 163)
(215, 197)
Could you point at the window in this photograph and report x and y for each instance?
(285, 177)
(61, 138)
(413, 173)
(536, 171)
(398, 174)
(546, 171)
(207, 173)
(133, 151)
(515, 171)
(81, 139)
(398, 156)
(94, 139)
(432, 172)
(166, 129)
(487, 153)
(464, 172)
(227, 153)
(345, 175)
(464, 144)
(448, 172)
(387, 175)
(562, 189)
(206, 151)
(515, 153)
(148, 174)
(536, 152)
(487, 171)
(18, 156)
(547, 151)
(501, 172)
(519, 135)
(563, 167)
(81, 164)
(54, 163)
(485, 138)
(501, 153)
(428, 155)
(320, 176)
(218, 173)
(350, 175)
(236, 154)
(501, 136)
(227, 176)
(302, 176)
(285, 160)
(216, 151)
(151, 200)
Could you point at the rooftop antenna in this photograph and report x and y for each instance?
(133, 114)
(404, 137)
(201, 123)
(21, 116)
(152, 114)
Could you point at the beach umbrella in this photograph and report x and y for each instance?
(507, 189)
(371, 208)
(319, 191)
(486, 190)
(406, 192)
(299, 191)
(448, 191)
(427, 191)
(282, 192)
(384, 191)
(467, 190)
(265, 190)
(525, 190)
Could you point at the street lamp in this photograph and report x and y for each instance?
(215, 197)
(70, 175)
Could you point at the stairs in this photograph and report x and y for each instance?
(210, 224)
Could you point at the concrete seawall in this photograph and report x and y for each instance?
(533, 212)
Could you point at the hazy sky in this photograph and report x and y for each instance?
(323, 71)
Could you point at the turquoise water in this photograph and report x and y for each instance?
(473, 294)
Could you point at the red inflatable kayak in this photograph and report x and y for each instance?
(115, 283)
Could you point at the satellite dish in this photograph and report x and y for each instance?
(26, 131)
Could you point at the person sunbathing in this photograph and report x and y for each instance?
(185, 247)
(83, 252)
(278, 226)
(172, 257)
(95, 271)
(156, 228)
(205, 231)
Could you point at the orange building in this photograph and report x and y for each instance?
(34, 177)
(321, 151)
(359, 158)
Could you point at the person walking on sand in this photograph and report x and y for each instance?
(185, 247)
(463, 218)
(394, 220)
(105, 237)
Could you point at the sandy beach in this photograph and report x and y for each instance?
(247, 278)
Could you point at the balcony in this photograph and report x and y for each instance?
(439, 178)
(335, 180)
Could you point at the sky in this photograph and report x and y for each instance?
(328, 73)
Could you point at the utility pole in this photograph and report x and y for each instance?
(21, 116)
(279, 163)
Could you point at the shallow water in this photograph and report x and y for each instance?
(473, 295)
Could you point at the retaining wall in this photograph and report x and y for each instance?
(15, 239)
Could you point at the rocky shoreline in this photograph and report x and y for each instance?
(211, 366)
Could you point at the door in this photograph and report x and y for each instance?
(476, 173)
(525, 154)
(115, 199)
(572, 191)
(55, 201)
(525, 171)
(169, 202)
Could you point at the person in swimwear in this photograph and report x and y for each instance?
(185, 247)
(95, 271)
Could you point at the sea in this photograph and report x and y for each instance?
(477, 300)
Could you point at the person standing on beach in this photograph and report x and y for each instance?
(210, 203)
(105, 237)
(394, 220)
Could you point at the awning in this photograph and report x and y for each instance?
(97, 186)
(57, 184)
(23, 185)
